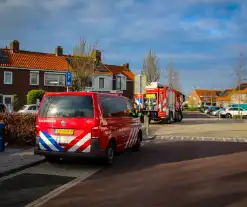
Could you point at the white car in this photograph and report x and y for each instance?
(32, 108)
(231, 111)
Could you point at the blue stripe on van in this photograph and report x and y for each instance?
(55, 144)
(41, 141)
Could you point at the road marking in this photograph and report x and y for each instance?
(184, 138)
(59, 190)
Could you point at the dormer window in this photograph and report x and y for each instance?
(118, 83)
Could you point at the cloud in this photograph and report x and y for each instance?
(179, 56)
(203, 36)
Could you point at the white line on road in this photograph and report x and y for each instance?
(61, 189)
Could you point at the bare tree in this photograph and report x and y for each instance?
(173, 77)
(151, 67)
(83, 63)
(170, 73)
(176, 83)
(239, 77)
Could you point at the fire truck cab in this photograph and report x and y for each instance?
(162, 103)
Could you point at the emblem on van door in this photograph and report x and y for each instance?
(63, 123)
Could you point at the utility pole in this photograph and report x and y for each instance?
(140, 91)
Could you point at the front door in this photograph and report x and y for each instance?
(8, 100)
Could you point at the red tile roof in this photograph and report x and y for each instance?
(47, 61)
(115, 69)
(202, 93)
(36, 60)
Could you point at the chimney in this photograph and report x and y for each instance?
(98, 57)
(15, 46)
(59, 51)
(126, 65)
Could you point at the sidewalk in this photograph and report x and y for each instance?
(16, 159)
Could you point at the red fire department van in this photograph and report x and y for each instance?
(86, 123)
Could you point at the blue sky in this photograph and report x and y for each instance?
(204, 37)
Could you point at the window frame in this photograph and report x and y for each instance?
(120, 81)
(53, 73)
(101, 78)
(5, 82)
(37, 82)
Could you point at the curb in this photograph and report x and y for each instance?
(152, 137)
(190, 138)
(23, 167)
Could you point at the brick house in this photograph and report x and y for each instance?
(22, 71)
(200, 97)
(239, 94)
(225, 97)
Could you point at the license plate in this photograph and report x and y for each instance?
(64, 131)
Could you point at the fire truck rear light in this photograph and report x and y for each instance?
(95, 132)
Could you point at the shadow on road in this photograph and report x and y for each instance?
(193, 115)
(219, 200)
(169, 152)
(125, 183)
(194, 121)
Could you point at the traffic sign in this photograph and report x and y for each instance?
(68, 79)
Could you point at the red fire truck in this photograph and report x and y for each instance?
(162, 103)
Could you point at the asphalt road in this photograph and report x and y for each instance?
(181, 174)
(195, 114)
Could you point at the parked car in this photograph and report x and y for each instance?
(231, 111)
(81, 124)
(217, 112)
(210, 109)
(31, 108)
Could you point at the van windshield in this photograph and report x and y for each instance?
(67, 107)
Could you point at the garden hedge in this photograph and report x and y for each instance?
(20, 128)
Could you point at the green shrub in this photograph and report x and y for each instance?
(33, 95)
(185, 105)
(16, 103)
(192, 109)
(237, 117)
(20, 128)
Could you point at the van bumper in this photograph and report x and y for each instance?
(67, 154)
(95, 151)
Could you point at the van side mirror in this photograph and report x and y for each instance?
(134, 114)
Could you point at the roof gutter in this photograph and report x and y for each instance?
(35, 69)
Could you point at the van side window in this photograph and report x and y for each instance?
(113, 106)
(119, 107)
(105, 105)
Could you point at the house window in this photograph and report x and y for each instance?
(101, 83)
(118, 83)
(54, 79)
(8, 77)
(34, 78)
